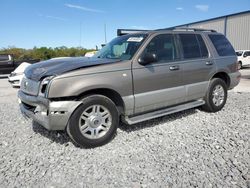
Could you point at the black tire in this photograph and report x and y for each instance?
(73, 128)
(239, 65)
(209, 105)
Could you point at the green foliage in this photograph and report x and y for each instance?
(44, 53)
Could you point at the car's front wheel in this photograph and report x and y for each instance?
(93, 123)
(216, 96)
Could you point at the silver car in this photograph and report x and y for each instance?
(136, 77)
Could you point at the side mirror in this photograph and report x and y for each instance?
(147, 58)
(245, 55)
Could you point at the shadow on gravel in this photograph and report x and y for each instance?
(59, 137)
(62, 138)
(157, 121)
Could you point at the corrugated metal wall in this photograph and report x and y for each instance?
(236, 28)
(238, 31)
(217, 25)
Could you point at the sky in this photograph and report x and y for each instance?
(74, 23)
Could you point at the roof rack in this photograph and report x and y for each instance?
(121, 32)
(187, 29)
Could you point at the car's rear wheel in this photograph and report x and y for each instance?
(216, 96)
(93, 123)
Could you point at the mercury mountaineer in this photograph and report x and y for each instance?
(138, 76)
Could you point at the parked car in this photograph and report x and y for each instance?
(8, 64)
(15, 77)
(135, 77)
(243, 58)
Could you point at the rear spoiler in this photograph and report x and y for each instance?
(121, 32)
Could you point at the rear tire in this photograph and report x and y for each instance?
(94, 123)
(216, 96)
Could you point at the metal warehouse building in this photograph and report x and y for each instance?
(236, 27)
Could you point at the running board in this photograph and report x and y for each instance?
(163, 112)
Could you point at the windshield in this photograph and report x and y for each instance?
(239, 53)
(123, 47)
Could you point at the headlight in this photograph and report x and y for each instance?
(45, 86)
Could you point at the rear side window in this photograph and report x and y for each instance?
(222, 45)
(193, 46)
(190, 46)
(203, 48)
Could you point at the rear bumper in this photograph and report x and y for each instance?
(53, 115)
(234, 79)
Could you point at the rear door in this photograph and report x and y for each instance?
(6, 64)
(198, 65)
(158, 84)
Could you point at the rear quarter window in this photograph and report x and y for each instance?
(222, 45)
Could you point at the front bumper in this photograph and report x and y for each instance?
(234, 79)
(53, 115)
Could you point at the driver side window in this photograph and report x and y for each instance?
(163, 47)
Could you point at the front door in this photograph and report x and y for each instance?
(158, 84)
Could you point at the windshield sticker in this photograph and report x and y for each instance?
(135, 39)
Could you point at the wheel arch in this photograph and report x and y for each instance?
(224, 76)
(110, 93)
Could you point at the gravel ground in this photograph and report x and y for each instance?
(187, 149)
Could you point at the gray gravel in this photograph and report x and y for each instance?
(187, 149)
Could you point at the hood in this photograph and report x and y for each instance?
(59, 66)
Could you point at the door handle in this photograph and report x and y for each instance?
(173, 68)
(209, 63)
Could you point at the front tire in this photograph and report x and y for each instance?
(216, 96)
(94, 123)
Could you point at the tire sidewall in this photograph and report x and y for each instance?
(73, 128)
(212, 85)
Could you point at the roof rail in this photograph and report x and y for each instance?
(121, 32)
(187, 29)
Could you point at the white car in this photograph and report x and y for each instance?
(243, 58)
(16, 76)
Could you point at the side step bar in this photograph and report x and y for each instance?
(163, 112)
